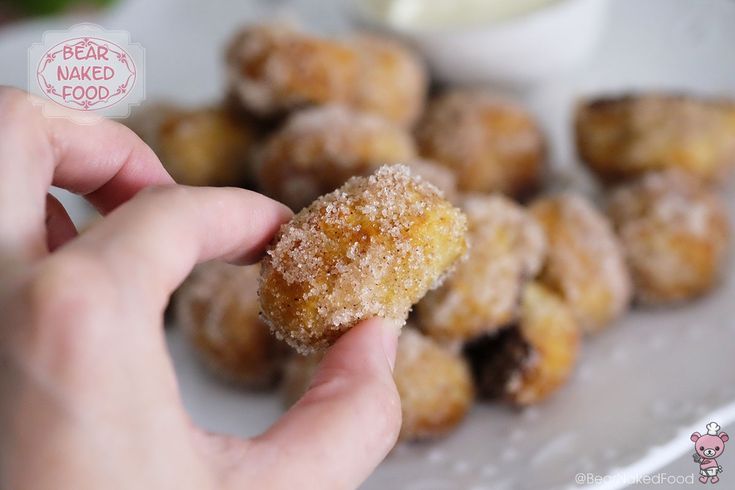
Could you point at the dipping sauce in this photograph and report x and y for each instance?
(449, 13)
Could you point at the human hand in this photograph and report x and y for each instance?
(88, 396)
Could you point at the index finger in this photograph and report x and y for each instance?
(105, 162)
(151, 243)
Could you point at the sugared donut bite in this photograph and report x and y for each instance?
(585, 263)
(273, 69)
(372, 248)
(435, 386)
(320, 148)
(433, 382)
(217, 308)
(675, 234)
(507, 246)
(525, 363)
(492, 144)
(620, 138)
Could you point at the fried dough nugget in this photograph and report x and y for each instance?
(438, 175)
(372, 248)
(585, 262)
(491, 144)
(202, 147)
(145, 120)
(319, 148)
(525, 363)
(507, 246)
(274, 69)
(393, 80)
(675, 233)
(298, 373)
(434, 384)
(217, 308)
(624, 137)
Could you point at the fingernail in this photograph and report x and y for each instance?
(391, 330)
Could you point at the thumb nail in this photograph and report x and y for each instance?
(390, 331)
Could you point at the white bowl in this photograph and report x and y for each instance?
(517, 52)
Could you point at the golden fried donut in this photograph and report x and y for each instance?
(527, 362)
(372, 248)
(275, 68)
(434, 385)
(438, 175)
(507, 246)
(623, 137)
(204, 147)
(217, 308)
(585, 263)
(318, 149)
(392, 82)
(146, 119)
(298, 373)
(491, 144)
(675, 233)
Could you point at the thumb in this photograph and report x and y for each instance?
(347, 421)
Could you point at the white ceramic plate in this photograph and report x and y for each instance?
(642, 386)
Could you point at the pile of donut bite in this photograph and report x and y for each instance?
(431, 209)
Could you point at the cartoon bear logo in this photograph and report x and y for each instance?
(707, 448)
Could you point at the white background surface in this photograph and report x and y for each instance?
(642, 386)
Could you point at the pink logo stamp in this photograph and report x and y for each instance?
(88, 69)
(707, 448)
